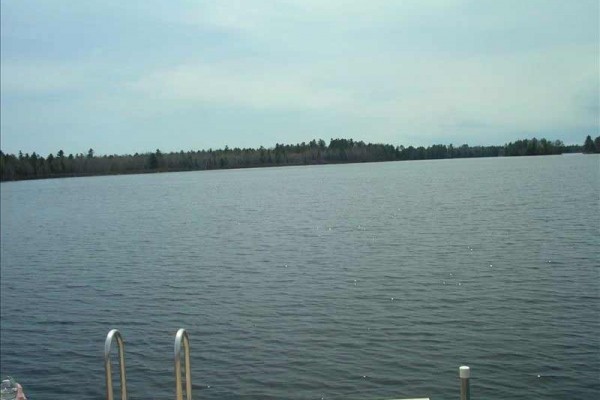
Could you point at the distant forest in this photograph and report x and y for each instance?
(35, 166)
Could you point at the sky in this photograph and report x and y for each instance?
(135, 76)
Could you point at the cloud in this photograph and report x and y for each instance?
(40, 78)
(261, 16)
(247, 84)
(522, 92)
(396, 71)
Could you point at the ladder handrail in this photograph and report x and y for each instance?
(182, 338)
(107, 364)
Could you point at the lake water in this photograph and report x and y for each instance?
(362, 281)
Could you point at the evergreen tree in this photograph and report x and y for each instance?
(588, 145)
(152, 161)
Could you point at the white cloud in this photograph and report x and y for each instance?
(40, 78)
(260, 17)
(521, 92)
(239, 84)
(380, 71)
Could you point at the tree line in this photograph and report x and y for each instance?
(35, 166)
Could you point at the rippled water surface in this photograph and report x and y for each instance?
(362, 281)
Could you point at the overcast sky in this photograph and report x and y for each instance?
(134, 76)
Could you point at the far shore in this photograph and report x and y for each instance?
(316, 152)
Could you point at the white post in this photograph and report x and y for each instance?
(464, 373)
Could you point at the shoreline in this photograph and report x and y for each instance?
(158, 171)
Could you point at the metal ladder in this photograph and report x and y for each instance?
(182, 341)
